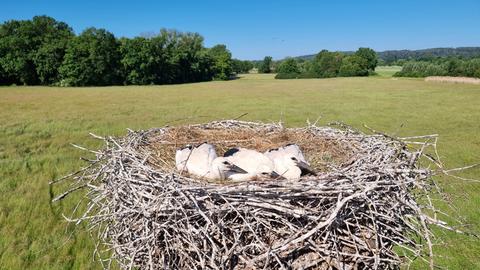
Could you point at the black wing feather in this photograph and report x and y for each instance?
(230, 152)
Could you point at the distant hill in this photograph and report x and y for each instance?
(393, 55)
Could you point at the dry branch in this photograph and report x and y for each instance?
(351, 216)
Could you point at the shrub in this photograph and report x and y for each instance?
(286, 76)
(307, 75)
(265, 65)
(421, 69)
(326, 64)
(370, 57)
(353, 65)
(289, 65)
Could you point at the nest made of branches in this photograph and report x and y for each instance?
(370, 196)
(322, 152)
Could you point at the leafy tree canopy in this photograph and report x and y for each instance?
(289, 65)
(91, 58)
(265, 65)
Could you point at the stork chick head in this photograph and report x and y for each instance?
(222, 168)
(294, 168)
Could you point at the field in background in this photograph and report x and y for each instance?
(37, 125)
(450, 79)
(387, 71)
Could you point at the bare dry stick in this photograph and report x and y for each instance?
(148, 216)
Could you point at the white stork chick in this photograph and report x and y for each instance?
(181, 157)
(222, 169)
(202, 161)
(255, 163)
(289, 161)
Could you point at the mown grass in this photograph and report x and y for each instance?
(387, 71)
(37, 125)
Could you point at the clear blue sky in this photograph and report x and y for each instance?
(253, 29)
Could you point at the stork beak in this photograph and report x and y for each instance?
(277, 176)
(236, 169)
(306, 169)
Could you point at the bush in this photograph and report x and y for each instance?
(289, 65)
(307, 75)
(326, 64)
(265, 65)
(286, 76)
(421, 69)
(369, 56)
(441, 67)
(353, 66)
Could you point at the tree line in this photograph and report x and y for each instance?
(441, 67)
(44, 51)
(399, 57)
(325, 65)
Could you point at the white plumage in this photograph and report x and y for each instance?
(202, 161)
(181, 157)
(289, 161)
(255, 163)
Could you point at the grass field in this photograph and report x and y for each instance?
(37, 124)
(387, 71)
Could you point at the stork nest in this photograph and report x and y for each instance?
(367, 208)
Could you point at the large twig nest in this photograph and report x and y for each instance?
(365, 201)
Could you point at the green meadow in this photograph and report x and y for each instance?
(38, 124)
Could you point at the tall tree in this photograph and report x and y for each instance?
(265, 65)
(143, 60)
(240, 66)
(370, 56)
(288, 66)
(353, 65)
(92, 58)
(32, 50)
(49, 56)
(326, 64)
(222, 62)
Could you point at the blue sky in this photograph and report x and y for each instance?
(253, 29)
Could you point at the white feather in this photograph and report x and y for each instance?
(254, 162)
(202, 161)
(284, 164)
(181, 157)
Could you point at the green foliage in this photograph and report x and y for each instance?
(44, 51)
(330, 64)
(353, 65)
(50, 55)
(472, 68)
(142, 60)
(326, 64)
(288, 66)
(286, 76)
(171, 57)
(92, 58)
(307, 75)
(222, 62)
(240, 66)
(188, 59)
(441, 67)
(421, 69)
(370, 57)
(399, 57)
(266, 65)
(38, 124)
(32, 50)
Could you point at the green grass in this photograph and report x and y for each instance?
(37, 124)
(387, 71)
